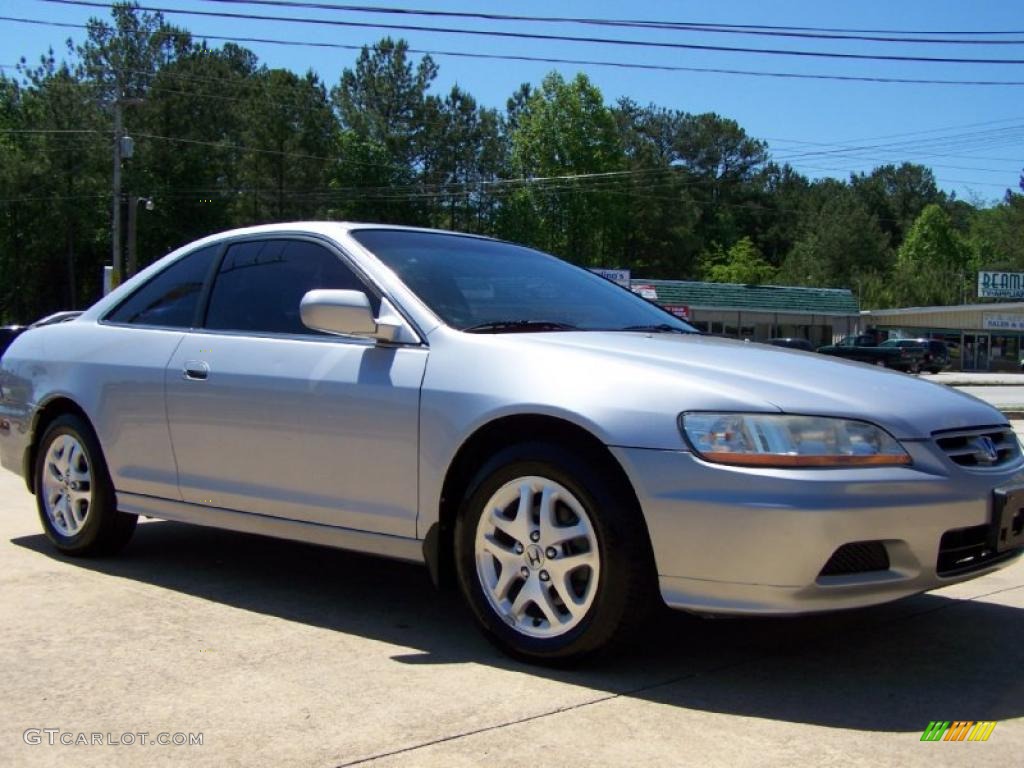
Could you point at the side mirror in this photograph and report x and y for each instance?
(346, 313)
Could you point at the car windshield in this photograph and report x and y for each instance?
(486, 286)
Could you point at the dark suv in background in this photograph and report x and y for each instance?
(936, 353)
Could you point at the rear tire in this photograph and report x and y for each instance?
(75, 497)
(552, 554)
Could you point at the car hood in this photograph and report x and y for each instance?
(692, 372)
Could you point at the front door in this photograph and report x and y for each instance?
(975, 352)
(271, 418)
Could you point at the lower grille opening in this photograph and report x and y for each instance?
(964, 549)
(857, 557)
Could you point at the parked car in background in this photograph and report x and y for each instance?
(792, 343)
(562, 450)
(864, 348)
(936, 353)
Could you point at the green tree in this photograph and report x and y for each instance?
(896, 195)
(742, 264)
(383, 105)
(565, 130)
(996, 235)
(932, 263)
(841, 245)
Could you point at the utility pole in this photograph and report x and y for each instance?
(115, 235)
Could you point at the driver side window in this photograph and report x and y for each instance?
(260, 284)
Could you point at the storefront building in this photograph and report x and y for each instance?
(757, 312)
(980, 337)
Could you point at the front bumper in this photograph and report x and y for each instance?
(736, 540)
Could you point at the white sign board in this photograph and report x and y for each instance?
(1000, 322)
(618, 276)
(647, 291)
(1001, 285)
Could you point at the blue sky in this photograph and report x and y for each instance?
(972, 136)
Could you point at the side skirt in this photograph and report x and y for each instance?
(395, 547)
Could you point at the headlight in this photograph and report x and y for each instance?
(776, 440)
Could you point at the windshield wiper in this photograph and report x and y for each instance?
(655, 328)
(519, 326)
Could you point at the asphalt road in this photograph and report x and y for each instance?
(1005, 397)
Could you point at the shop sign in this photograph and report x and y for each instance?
(647, 291)
(1000, 322)
(617, 276)
(679, 310)
(1001, 285)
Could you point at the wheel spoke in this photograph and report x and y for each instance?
(63, 510)
(80, 496)
(528, 594)
(548, 524)
(505, 580)
(566, 564)
(547, 606)
(70, 514)
(561, 535)
(572, 603)
(518, 528)
(70, 456)
(79, 470)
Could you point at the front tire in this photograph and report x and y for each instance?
(552, 553)
(75, 497)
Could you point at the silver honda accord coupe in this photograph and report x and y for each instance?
(564, 451)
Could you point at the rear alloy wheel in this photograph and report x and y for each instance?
(75, 497)
(67, 485)
(552, 554)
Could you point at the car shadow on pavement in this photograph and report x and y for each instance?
(891, 668)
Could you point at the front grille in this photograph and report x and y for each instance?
(965, 549)
(857, 557)
(979, 448)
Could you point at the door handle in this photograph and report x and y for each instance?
(196, 370)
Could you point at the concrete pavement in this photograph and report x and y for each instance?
(287, 654)
(979, 379)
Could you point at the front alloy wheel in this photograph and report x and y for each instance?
(552, 552)
(537, 557)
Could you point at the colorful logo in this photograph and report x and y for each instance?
(958, 730)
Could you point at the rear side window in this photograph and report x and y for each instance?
(260, 284)
(170, 298)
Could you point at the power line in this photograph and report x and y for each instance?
(46, 130)
(678, 26)
(579, 62)
(554, 38)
